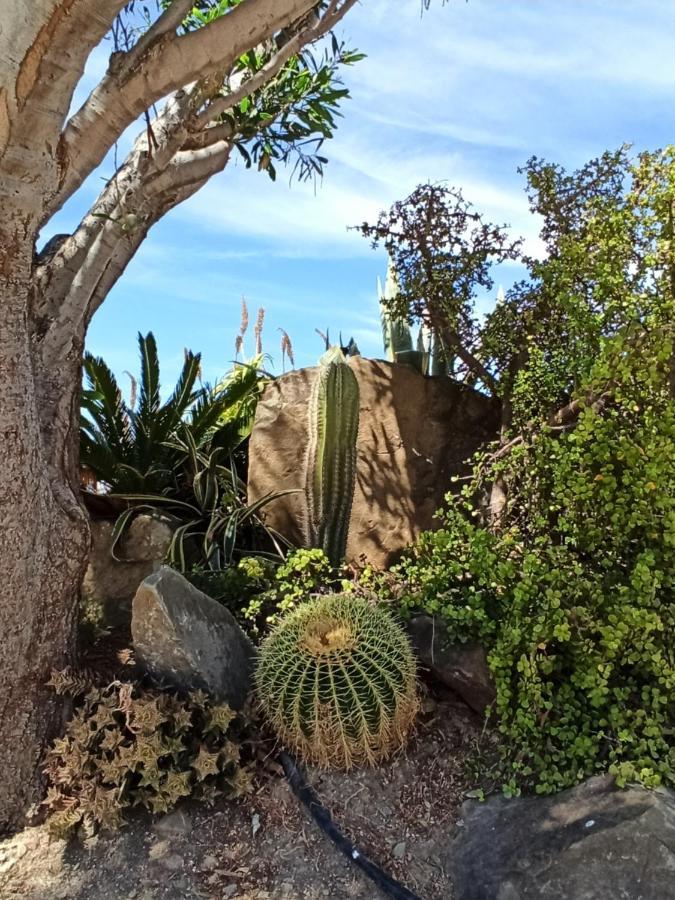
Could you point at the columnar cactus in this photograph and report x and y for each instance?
(396, 332)
(331, 463)
(336, 679)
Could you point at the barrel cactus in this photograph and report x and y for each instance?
(336, 679)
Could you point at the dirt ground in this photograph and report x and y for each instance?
(402, 815)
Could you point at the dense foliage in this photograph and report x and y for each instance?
(181, 456)
(574, 595)
(258, 591)
(569, 579)
(128, 746)
(607, 231)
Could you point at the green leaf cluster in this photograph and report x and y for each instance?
(574, 593)
(259, 592)
(128, 746)
(289, 118)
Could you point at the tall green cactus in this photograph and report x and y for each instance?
(396, 332)
(331, 463)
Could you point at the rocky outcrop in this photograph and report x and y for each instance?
(462, 667)
(184, 639)
(111, 583)
(592, 842)
(415, 433)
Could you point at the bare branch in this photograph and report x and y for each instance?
(564, 418)
(167, 23)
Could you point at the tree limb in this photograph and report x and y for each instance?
(566, 417)
(168, 64)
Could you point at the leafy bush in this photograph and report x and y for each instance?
(336, 680)
(128, 746)
(258, 591)
(574, 593)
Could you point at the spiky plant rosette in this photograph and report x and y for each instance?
(336, 680)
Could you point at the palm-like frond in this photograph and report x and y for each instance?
(178, 457)
(149, 397)
(107, 423)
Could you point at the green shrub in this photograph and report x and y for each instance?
(336, 680)
(127, 746)
(574, 594)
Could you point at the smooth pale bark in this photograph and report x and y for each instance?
(46, 304)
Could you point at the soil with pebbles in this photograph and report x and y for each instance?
(401, 814)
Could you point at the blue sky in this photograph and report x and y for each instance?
(465, 93)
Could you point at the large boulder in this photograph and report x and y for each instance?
(592, 842)
(462, 667)
(111, 583)
(184, 639)
(415, 433)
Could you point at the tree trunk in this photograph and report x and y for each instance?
(43, 540)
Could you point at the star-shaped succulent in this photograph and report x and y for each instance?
(206, 763)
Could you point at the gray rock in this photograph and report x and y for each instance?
(185, 639)
(111, 583)
(173, 824)
(399, 850)
(462, 667)
(592, 842)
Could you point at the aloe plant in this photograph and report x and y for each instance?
(428, 356)
(331, 460)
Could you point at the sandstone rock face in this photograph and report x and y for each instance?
(462, 667)
(187, 640)
(592, 842)
(112, 583)
(414, 434)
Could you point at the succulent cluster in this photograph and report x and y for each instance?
(337, 681)
(126, 746)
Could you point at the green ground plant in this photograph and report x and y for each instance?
(128, 746)
(259, 591)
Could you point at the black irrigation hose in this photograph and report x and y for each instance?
(308, 797)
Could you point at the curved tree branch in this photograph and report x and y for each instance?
(167, 65)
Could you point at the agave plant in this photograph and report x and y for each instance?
(178, 457)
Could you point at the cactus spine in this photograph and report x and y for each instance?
(331, 466)
(336, 679)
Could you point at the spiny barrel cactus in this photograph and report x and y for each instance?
(331, 463)
(336, 679)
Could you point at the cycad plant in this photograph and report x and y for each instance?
(178, 456)
(128, 445)
(336, 679)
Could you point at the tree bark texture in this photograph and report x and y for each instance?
(47, 303)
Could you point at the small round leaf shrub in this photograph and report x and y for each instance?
(336, 680)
